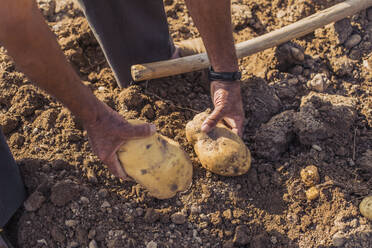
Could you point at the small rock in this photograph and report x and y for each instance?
(105, 204)
(84, 200)
(195, 209)
(317, 148)
(93, 244)
(34, 201)
(64, 192)
(151, 215)
(354, 40)
(151, 244)
(139, 211)
(312, 193)
(319, 83)
(178, 218)
(274, 240)
(103, 193)
(241, 235)
(338, 239)
(71, 223)
(73, 244)
(310, 175)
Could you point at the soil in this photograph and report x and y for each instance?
(75, 202)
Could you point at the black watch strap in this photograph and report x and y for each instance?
(224, 76)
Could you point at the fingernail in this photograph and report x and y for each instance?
(205, 127)
(152, 128)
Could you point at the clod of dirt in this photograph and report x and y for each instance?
(327, 118)
(220, 151)
(365, 161)
(241, 16)
(64, 192)
(46, 120)
(132, 98)
(342, 66)
(16, 140)
(288, 55)
(26, 101)
(273, 138)
(365, 207)
(151, 215)
(312, 193)
(178, 218)
(241, 237)
(320, 82)
(158, 163)
(337, 32)
(310, 175)
(47, 7)
(34, 201)
(354, 40)
(260, 100)
(8, 122)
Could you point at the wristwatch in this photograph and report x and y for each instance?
(224, 76)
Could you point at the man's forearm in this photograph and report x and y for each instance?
(213, 20)
(26, 36)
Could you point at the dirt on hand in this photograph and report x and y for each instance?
(290, 124)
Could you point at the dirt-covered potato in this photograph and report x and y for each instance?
(220, 151)
(310, 175)
(158, 163)
(365, 207)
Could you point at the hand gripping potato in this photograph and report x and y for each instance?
(220, 151)
(157, 163)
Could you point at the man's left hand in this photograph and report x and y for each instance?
(228, 106)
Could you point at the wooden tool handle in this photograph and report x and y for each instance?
(246, 48)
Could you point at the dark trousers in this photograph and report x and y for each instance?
(12, 191)
(129, 32)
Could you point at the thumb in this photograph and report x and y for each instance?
(212, 120)
(141, 130)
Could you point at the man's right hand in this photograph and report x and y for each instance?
(110, 131)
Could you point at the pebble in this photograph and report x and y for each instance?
(274, 240)
(151, 244)
(103, 193)
(139, 211)
(354, 40)
(73, 244)
(101, 88)
(319, 83)
(93, 244)
(84, 200)
(338, 239)
(105, 204)
(178, 218)
(71, 223)
(195, 209)
(317, 148)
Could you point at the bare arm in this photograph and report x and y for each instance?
(213, 20)
(27, 38)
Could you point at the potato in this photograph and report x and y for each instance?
(312, 193)
(157, 163)
(365, 207)
(310, 175)
(220, 151)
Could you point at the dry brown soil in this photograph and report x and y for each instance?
(74, 202)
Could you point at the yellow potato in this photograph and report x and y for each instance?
(365, 207)
(220, 151)
(312, 193)
(310, 175)
(157, 163)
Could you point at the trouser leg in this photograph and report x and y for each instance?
(12, 191)
(129, 32)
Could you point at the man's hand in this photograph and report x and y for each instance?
(228, 106)
(108, 132)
